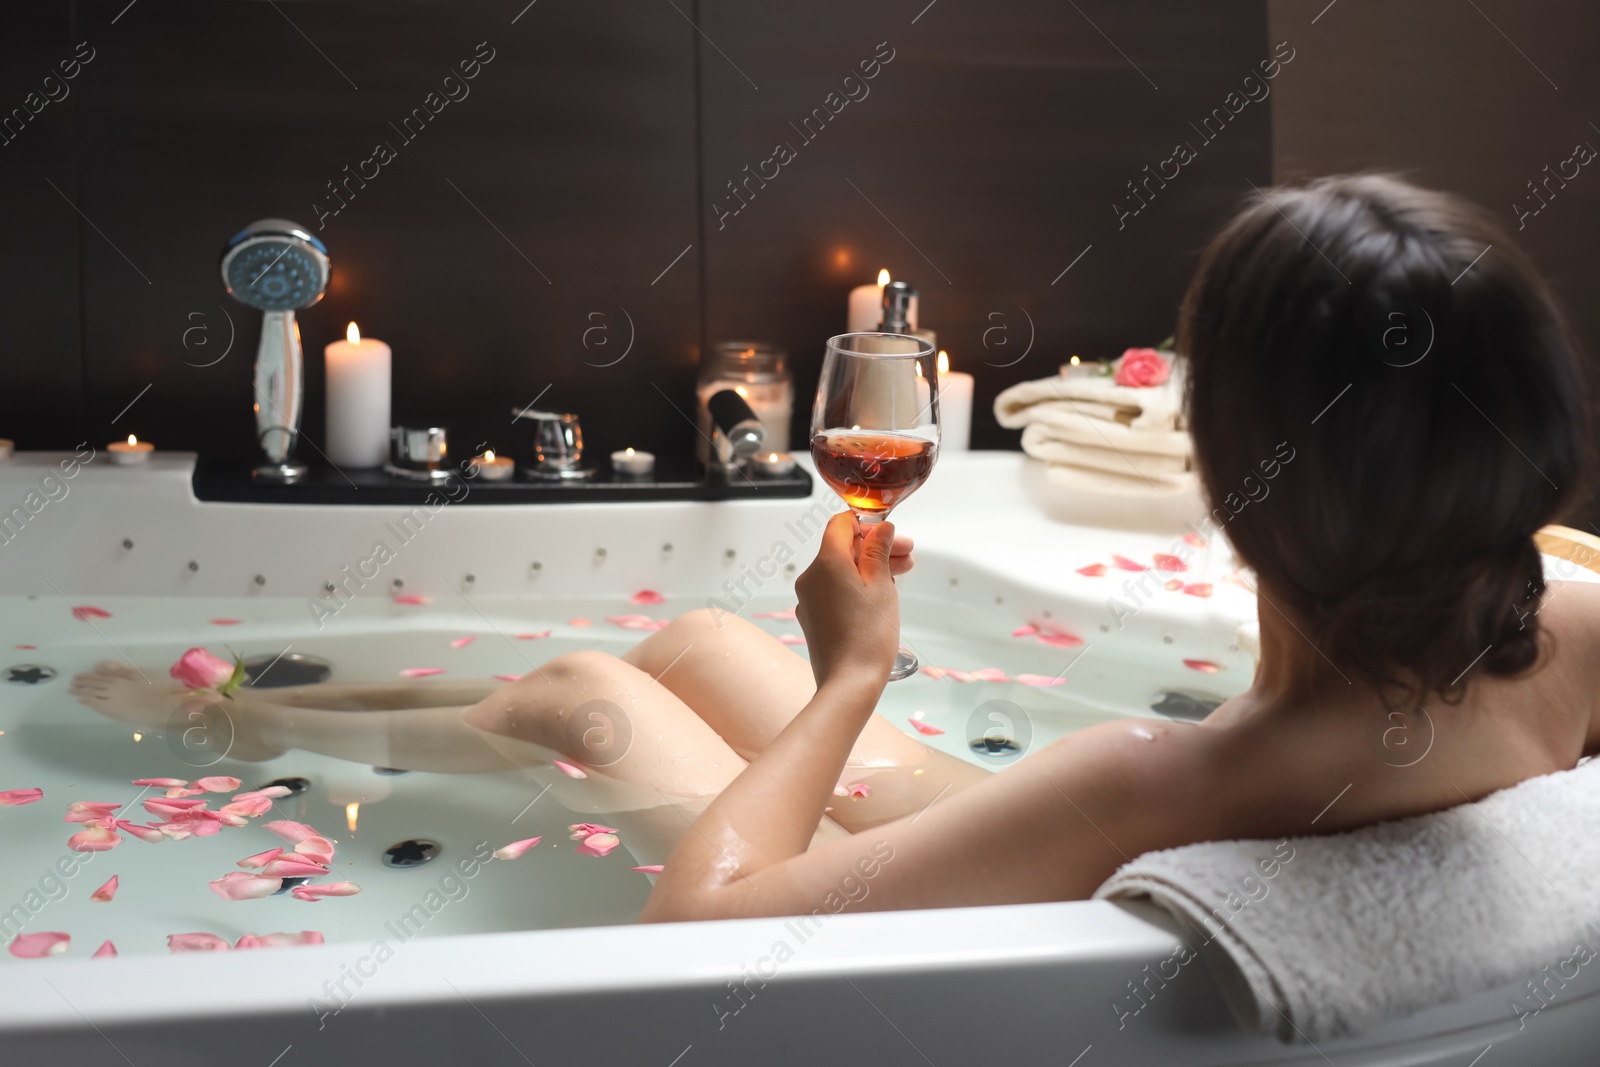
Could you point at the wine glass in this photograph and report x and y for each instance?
(875, 428)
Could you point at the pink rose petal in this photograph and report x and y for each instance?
(1124, 563)
(1093, 570)
(85, 613)
(148, 834)
(990, 674)
(197, 943)
(791, 639)
(1059, 639)
(1192, 538)
(215, 784)
(412, 598)
(38, 946)
(313, 893)
(1173, 585)
(569, 770)
(650, 868)
(516, 848)
(94, 839)
(105, 951)
(28, 648)
(925, 728)
(1041, 680)
(1027, 629)
(463, 642)
(861, 789)
(292, 866)
(1204, 666)
(960, 676)
(648, 596)
(580, 830)
(533, 637)
(421, 672)
(15, 798)
(107, 891)
(315, 849)
(580, 622)
(238, 885)
(636, 622)
(162, 783)
(226, 622)
(1166, 562)
(507, 677)
(290, 831)
(936, 673)
(786, 615)
(1198, 589)
(281, 940)
(260, 859)
(599, 844)
(90, 811)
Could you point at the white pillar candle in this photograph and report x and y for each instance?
(955, 407)
(866, 307)
(358, 378)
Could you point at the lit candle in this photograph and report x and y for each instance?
(955, 407)
(629, 461)
(129, 452)
(775, 464)
(492, 468)
(357, 433)
(866, 306)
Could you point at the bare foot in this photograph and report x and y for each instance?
(120, 692)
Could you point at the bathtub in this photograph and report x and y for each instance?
(539, 961)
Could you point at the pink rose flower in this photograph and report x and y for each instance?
(1140, 367)
(199, 669)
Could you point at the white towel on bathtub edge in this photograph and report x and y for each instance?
(1351, 929)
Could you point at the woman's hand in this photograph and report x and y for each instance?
(848, 606)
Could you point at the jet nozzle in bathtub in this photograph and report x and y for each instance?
(277, 266)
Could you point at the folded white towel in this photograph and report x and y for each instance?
(1085, 392)
(1043, 441)
(1321, 937)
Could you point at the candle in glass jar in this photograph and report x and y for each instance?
(629, 461)
(358, 373)
(129, 452)
(493, 468)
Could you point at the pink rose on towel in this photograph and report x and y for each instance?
(1141, 367)
(199, 669)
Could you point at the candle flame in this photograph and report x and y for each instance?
(132, 440)
(919, 371)
(741, 391)
(883, 277)
(488, 455)
(352, 334)
(944, 362)
(628, 452)
(772, 457)
(1074, 361)
(138, 737)
(352, 811)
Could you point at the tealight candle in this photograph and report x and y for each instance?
(629, 461)
(773, 463)
(492, 468)
(129, 452)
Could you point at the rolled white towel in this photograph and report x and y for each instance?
(1322, 937)
(1040, 441)
(1085, 392)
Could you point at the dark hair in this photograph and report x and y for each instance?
(1393, 342)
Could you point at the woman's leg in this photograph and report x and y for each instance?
(747, 685)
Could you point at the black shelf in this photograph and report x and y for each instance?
(674, 479)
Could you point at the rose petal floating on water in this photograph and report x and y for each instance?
(315, 849)
(925, 728)
(260, 859)
(1124, 563)
(226, 622)
(579, 621)
(105, 951)
(94, 839)
(1204, 666)
(533, 637)
(569, 770)
(936, 673)
(650, 868)
(90, 810)
(216, 784)
(314, 893)
(1041, 680)
(290, 831)
(1198, 589)
(15, 798)
(516, 848)
(580, 830)
(463, 642)
(507, 677)
(107, 891)
(785, 615)
(1027, 629)
(647, 596)
(38, 946)
(238, 885)
(861, 789)
(1194, 539)
(990, 674)
(148, 834)
(197, 943)
(791, 639)
(1173, 585)
(281, 940)
(421, 672)
(1093, 570)
(960, 676)
(1059, 639)
(1168, 562)
(162, 783)
(85, 613)
(599, 844)
(636, 622)
(412, 598)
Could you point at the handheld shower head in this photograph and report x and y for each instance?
(277, 266)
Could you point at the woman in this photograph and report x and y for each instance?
(1415, 363)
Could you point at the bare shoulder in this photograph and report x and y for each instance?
(1570, 615)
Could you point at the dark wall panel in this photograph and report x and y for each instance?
(985, 157)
